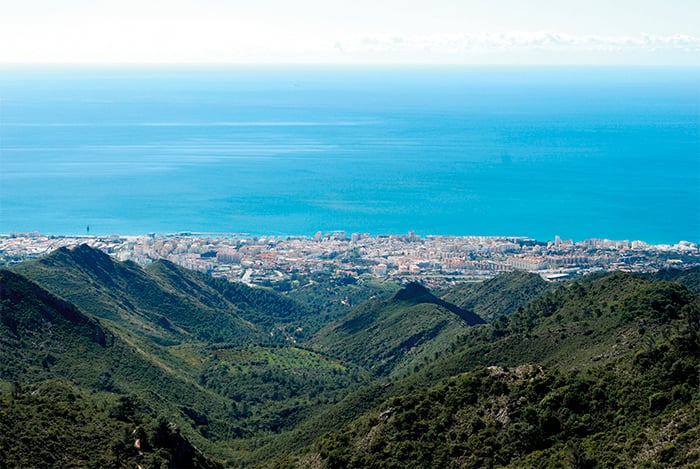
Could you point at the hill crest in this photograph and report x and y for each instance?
(416, 293)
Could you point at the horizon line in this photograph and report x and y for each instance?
(221, 234)
(343, 64)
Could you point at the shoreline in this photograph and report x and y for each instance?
(279, 261)
(348, 235)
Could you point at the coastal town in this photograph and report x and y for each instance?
(274, 260)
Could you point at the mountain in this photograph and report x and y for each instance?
(576, 325)
(688, 277)
(416, 293)
(601, 372)
(50, 332)
(165, 303)
(274, 313)
(395, 333)
(530, 416)
(106, 364)
(332, 296)
(198, 351)
(501, 295)
(60, 370)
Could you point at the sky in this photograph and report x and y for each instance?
(600, 32)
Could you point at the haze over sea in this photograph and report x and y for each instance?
(580, 152)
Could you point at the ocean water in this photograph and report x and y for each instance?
(580, 152)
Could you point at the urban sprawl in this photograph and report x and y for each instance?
(276, 260)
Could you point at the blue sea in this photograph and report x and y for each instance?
(525, 151)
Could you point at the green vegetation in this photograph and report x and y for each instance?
(334, 297)
(61, 370)
(689, 277)
(499, 296)
(56, 424)
(534, 417)
(164, 303)
(106, 364)
(212, 358)
(400, 332)
(599, 373)
(273, 389)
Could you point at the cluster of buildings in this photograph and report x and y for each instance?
(265, 260)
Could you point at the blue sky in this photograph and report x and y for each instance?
(639, 32)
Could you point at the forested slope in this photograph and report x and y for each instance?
(109, 364)
(602, 372)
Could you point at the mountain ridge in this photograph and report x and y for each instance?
(394, 377)
(395, 333)
(415, 292)
(500, 295)
(582, 394)
(162, 302)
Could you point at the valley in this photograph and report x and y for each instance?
(97, 354)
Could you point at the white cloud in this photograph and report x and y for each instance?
(224, 41)
(516, 41)
(344, 31)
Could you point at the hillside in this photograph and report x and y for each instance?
(51, 332)
(688, 277)
(586, 323)
(642, 416)
(167, 328)
(395, 333)
(334, 297)
(94, 354)
(543, 389)
(501, 295)
(164, 303)
(60, 372)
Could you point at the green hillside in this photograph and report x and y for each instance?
(333, 297)
(165, 303)
(501, 295)
(274, 313)
(545, 390)
(51, 333)
(642, 416)
(688, 277)
(395, 333)
(96, 354)
(60, 375)
(581, 324)
(223, 394)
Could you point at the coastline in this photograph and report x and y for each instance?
(276, 260)
(488, 151)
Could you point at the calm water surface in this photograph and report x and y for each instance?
(579, 152)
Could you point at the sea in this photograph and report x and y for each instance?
(579, 152)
